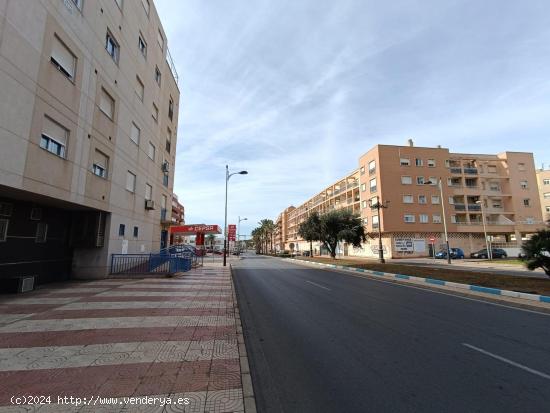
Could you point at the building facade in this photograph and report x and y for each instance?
(498, 190)
(543, 181)
(88, 135)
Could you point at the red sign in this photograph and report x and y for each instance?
(197, 228)
(231, 232)
(432, 240)
(199, 239)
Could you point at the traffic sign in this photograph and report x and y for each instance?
(432, 240)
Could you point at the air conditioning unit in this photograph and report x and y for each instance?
(25, 284)
(149, 204)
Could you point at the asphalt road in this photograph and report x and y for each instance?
(324, 341)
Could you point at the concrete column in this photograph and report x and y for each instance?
(518, 237)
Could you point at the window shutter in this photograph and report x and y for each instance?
(63, 57)
(106, 103)
(55, 131)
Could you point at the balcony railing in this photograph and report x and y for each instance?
(474, 207)
(470, 171)
(459, 207)
(456, 170)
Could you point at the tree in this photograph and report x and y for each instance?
(310, 230)
(267, 229)
(341, 225)
(537, 251)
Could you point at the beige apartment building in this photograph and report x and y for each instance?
(543, 181)
(88, 121)
(500, 189)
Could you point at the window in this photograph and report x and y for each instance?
(107, 104)
(447, 163)
(405, 162)
(409, 218)
(112, 47)
(119, 4)
(130, 182)
(373, 185)
(422, 199)
(142, 45)
(363, 187)
(453, 219)
(155, 113)
(451, 200)
(364, 204)
(146, 6)
(419, 162)
(362, 170)
(546, 195)
(546, 181)
(375, 221)
(158, 75)
(160, 39)
(497, 204)
(168, 140)
(78, 4)
(523, 184)
(406, 180)
(63, 59)
(527, 202)
(54, 137)
(492, 169)
(165, 180)
(372, 167)
(6, 209)
(433, 180)
(100, 164)
(36, 214)
(521, 167)
(431, 163)
(547, 209)
(121, 230)
(4, 229)
(151, 151)
(436, 219)
(140, 89)
(420, 180)
(136, 232)
(423, 218)
(148, 192)
(171, 108)
(135, 133)
(41, 233)
(408, 199)
(435, 199)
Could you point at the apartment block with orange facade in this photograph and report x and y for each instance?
(543, 181)
(501, 188)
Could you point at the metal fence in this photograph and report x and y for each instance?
(150, 263)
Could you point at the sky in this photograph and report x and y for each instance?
(295, 91)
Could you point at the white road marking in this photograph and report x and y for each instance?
(505, 360)
(318, 285)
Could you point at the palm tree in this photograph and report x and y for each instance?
(268, 228)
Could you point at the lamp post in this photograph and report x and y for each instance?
(444, 218)
(239, 234)
(489, 252)
(379, 206)
(227, 176)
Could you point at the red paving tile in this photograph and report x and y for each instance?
(113, 335)
(155, 298)
(127, 312)
(25, 308)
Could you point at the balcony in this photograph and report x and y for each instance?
(459, 207)
(455, 170)
(470, 171)
(474, 207)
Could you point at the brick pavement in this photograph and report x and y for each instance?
(157, 337)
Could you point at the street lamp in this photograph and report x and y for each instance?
(379, 206)
(444, 218)
(239, 234)
(227, 176)
(489, 252)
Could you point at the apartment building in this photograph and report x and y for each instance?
(498, 189)
(543, 181)
(88, 123)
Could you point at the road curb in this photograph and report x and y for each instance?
(246, 379)
(487, 291)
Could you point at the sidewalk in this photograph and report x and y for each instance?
(158, 337)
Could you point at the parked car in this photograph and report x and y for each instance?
(456, 253)
(495, 252)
